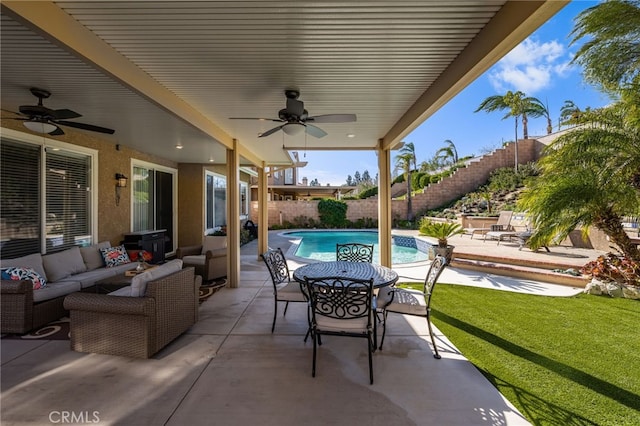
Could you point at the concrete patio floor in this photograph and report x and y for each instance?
(229, 369)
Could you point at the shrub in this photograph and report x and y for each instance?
(398, 179)
(612, 267)
(440, 230)
(368, 193)
(333, 213)
(425, 180)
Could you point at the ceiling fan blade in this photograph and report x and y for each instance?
(57, 132)
(270, 132)
(333, 118)
(62, 114)
(83, 126)
(295, 107)
(277, 120)
(314, 131)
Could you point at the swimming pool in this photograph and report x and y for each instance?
(321, 245)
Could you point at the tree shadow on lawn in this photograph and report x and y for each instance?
(587, 380)
(540, 411)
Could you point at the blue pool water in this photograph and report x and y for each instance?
(321, 245)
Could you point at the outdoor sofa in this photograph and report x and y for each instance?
(136, 322)
(78, 268)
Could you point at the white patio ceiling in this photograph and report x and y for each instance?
(168, 72)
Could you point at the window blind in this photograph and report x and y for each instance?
(20, 199)
(68, 200)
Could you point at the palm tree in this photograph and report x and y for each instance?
(404, 160)
(587, 179)
(545, 112)
(518, 105)
(447, 155)
(569, 113)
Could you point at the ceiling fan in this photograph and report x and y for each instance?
(46, 120)
(296, 119)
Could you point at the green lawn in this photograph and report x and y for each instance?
(560, 361)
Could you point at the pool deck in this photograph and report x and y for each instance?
(491, 276)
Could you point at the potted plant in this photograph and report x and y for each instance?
(442, 231)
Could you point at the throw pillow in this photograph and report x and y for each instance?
(114, 256)
(33, 261)
(17, 273)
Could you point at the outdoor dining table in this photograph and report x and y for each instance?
(382, 276)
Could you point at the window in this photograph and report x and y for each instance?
(288, 176)
(215, 201)
(153, 198)
(244, 200)
(47, 200)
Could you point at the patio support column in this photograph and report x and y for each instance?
(384, 204)
(263, 210)
(233, 216)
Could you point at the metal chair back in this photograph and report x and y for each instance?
(277, 265)
(355, 252)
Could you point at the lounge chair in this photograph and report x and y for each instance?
(503, 220)
(502, 229)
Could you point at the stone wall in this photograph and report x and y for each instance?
(461, 182)
(469, 178)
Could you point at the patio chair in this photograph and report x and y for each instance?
(503, 221)
(415, 302)
(355, 252)
(284, 289)
(502, 229)
(341, 307)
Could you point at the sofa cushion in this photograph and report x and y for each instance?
(92, 257)
(89, 278)
(62, 264)
(213, 243)
(114, 256)
(18, 273)
(139, 282)
(33, 261)
(54, 290)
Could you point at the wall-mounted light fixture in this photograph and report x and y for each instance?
(121, 182)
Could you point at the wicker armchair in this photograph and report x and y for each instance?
(209, 259)
(135, 326)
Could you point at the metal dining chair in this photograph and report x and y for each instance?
(284, 289)
(415, 302)
(341, 307)
(355, 252)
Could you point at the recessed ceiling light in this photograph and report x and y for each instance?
(351, 135)
(179, 146)
(211, 160)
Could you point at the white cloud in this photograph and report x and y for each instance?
(530, 67)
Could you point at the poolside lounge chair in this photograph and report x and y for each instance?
(503, 220)
(501, 230)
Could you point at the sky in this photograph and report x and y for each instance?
(539, 67)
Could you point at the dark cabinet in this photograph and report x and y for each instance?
(151, 241)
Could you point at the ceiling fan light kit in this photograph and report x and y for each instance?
(39, 126)
(295, 118)
(293, 129)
